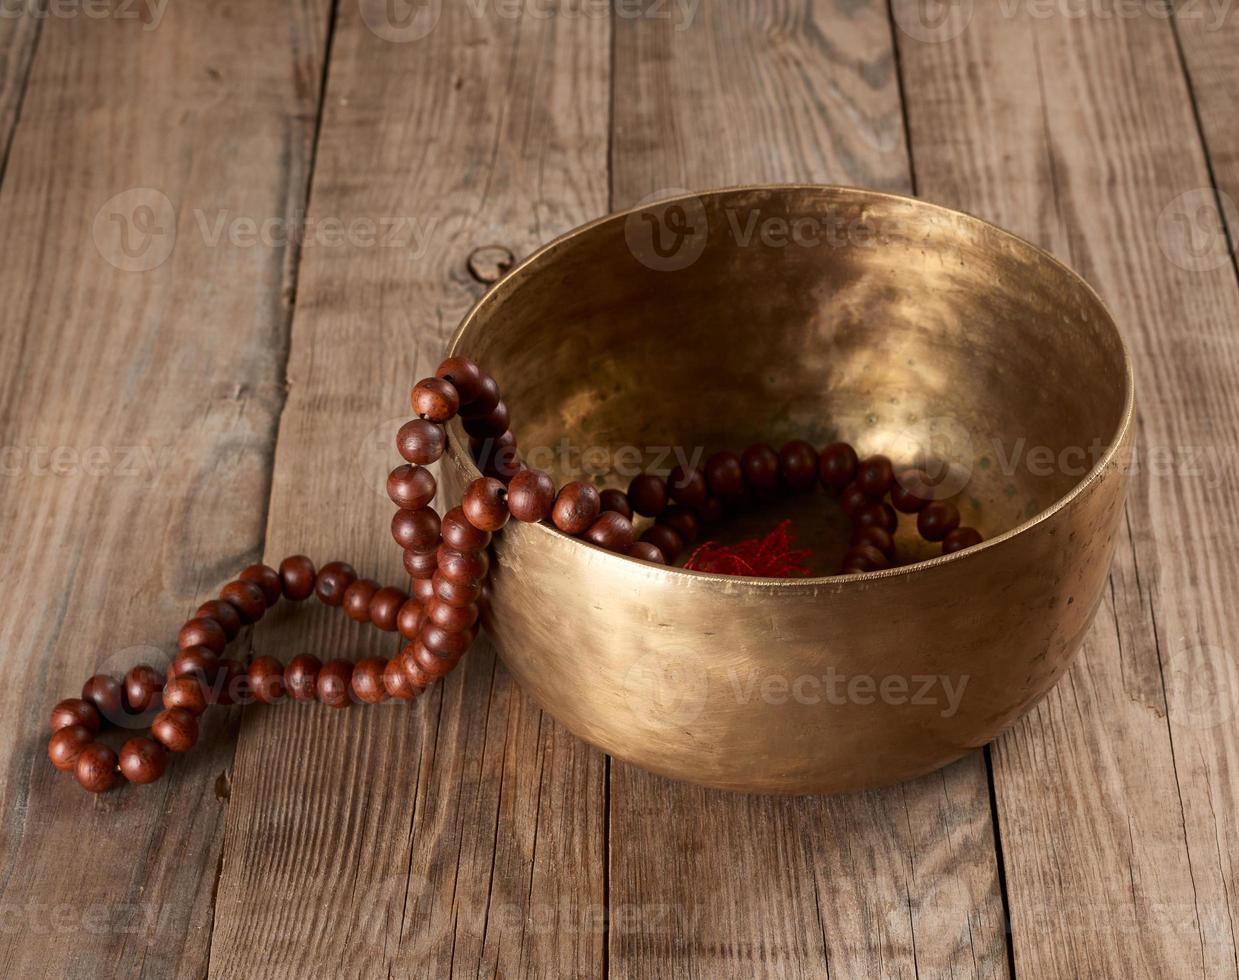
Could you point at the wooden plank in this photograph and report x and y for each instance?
(137, 419)
(887, 883)
(449, 837)
(1118, 795)
(19, 36)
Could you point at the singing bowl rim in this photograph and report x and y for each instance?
(523, 270)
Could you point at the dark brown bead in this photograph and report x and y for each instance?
(267, 680)
(297, 577)
(647, 494)
(421, 442)
(76, 711)
(202, 633)
(416, 529)
(186, 692)
(357, 599)
(435, 399)
(96, 768)
(875, 475)
(410, 487)
(232, 684)
(385, 607)
(333, 581)
(456, 593)
(267, 579)
(421, 564)
(107, 695)
(836, 465)
(531, 494)
(422, 590)
(683, 521)
(247, 597)
(397, 683)
(911, 491)
(200, 662)
(66, 744)
(367, 680)
(879, 537)
(432, 665)
(413, 670)
(301, 677)
(451, 618)
(710, 511)
(446, 643)
(937, 519)
(959, 539)
(142, 686)
(484, 402)
(798, 466)
(646, 552)
(865, 558)
(224, 613)
(615, 502)
(463, 566)
(334, 682)
(460, 535)
(576, 507)
(665, 539)
(612, 531)
(852, 499)
(485, 504)
(176, 729)
(409, 619)
(725, 476)
(687, 487)
(494, 423)
(503, 464)
(465, 376)
(876, 513)
(761, 468)
(143, 760)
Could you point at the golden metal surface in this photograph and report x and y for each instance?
(769, 313)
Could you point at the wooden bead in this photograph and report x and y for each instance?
(683, 521)
(937, 519)
(531, 495)
(421, 564)
(874, 475)
(200, 662)
(367, 680)
(66, 744)
(411, 487)
(301, 677)
(143, 760)
(687, 487)
(413, 670)
(646, 552)
(647, 494)
(435, 399)
(409, 619)
(454, 619)
(143, 683)
(357, 599)
(397, 683)
(615, 502)
(432, 665)
(76, 711)
(266, 676)
(186, 692)
(876, 513)
(725, 476)
(761, 468)
(462, 566)
(232, 684)
(416, 529)
(852, 499)
(665, 539)
(456, 593)
(865, 558)
(267, 579)
(711, 511)
(446, 643)
(911, 491)
(96, 768)
(612, 531)
(959, 539)
(836, 465)
(576, 507)
(202, 633)
(494, 423)
(485, 504)
(421, 590)
(385, 607)
(297, 577)
(879, 537)
(460, 535)
(333, 581)
(498, 460)
(334, 683)
(224, 613)
(107, 695)
(247, 597)
(798, 466)
(175, 729)
(464, 375)
(484, 402)
(421, 442)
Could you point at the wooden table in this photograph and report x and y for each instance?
(188, 387)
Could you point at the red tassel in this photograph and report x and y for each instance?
(774, 556)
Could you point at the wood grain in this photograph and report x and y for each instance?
(463, 835)
(887, 883)
(19, 36)
(1118, 795)
(137, 421)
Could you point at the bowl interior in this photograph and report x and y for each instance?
(762, 315)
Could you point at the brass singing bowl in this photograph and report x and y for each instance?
(762, 314)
